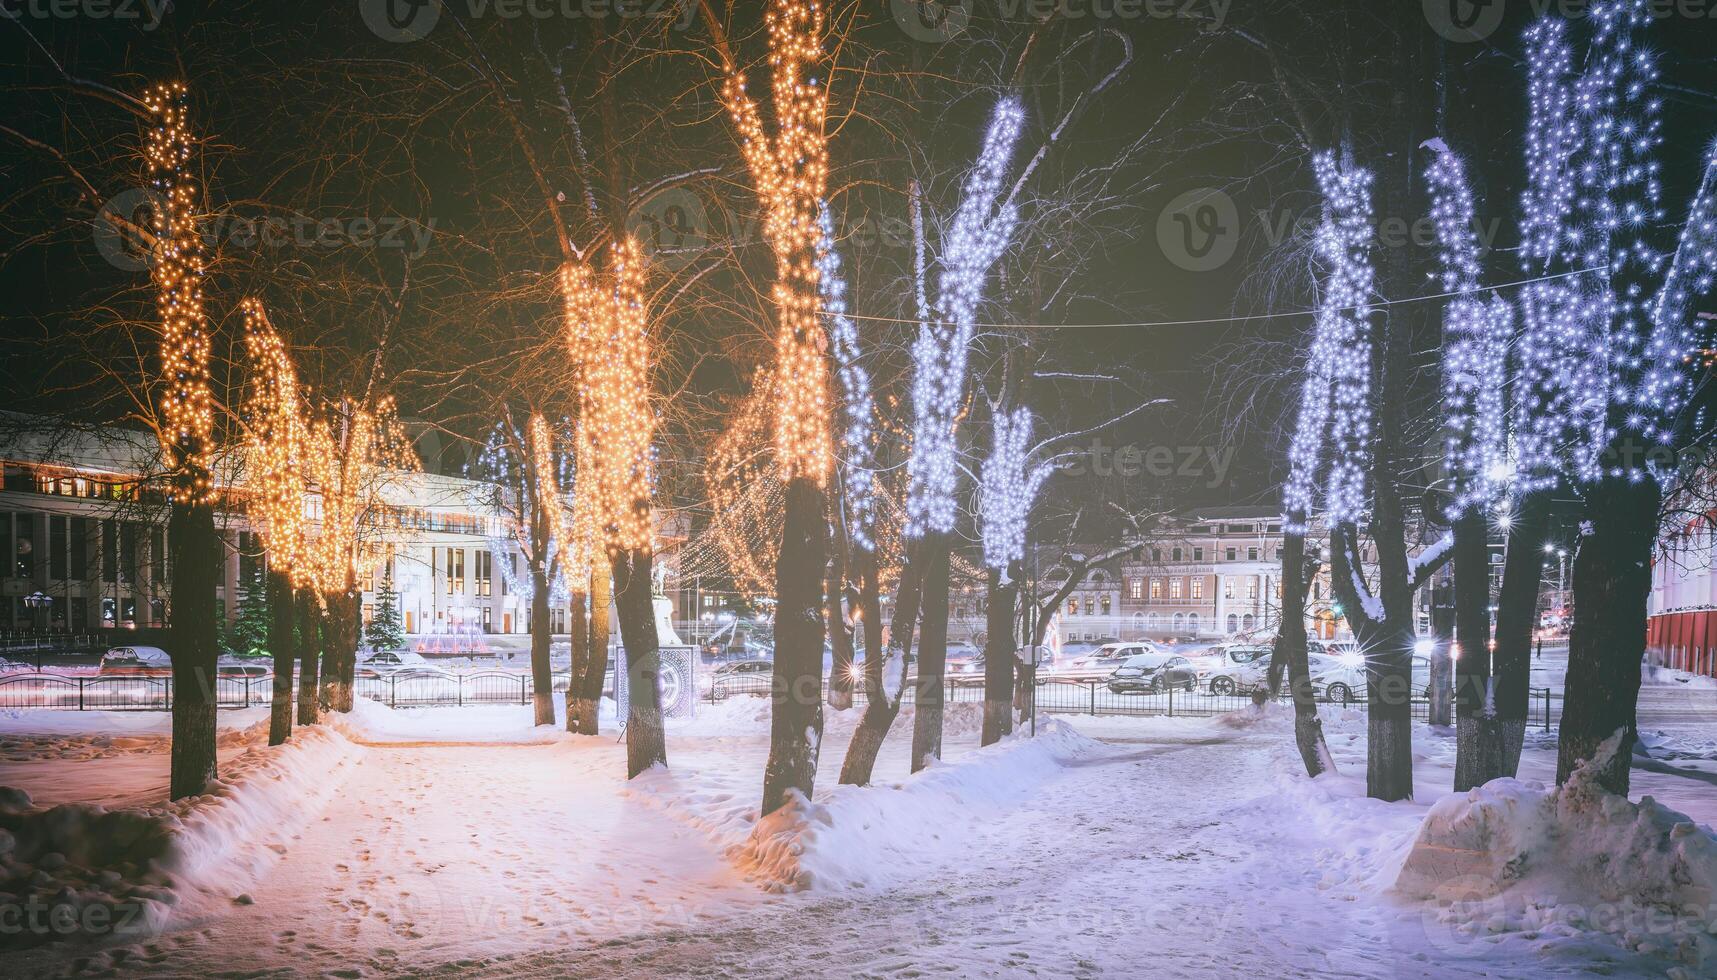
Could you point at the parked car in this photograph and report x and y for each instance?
(965, 665)
(384, 662)
(136, 662)
(1101, 662)
(1342, 678)
(1233, 667)
(1154, 673)
(241, 667)
(742, 677)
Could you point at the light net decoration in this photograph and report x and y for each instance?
(790, 172)
(177, 271)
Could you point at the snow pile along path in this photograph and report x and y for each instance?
(1560, 852)
(83, 872)
(869, 836)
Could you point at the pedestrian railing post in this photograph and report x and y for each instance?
(1093, 696)
(1171, 701)
(80, 693)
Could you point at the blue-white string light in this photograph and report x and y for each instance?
(979, 233)
(1344, 246)
(858, 466)
(1009, 483)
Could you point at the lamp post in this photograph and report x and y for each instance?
(35, 602)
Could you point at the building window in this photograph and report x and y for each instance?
(1156, 588)
(1176, 554)
(1192, 622)
(1090, 607)
(1198, 588)
(1150, 621)
(1073, 606)
(1105, 603)
(1175, 588)
(1157, 555)
(1233, 553)
(1233, 622)
(1179, 622)
(1252, 587)
(1250, 620)
(1136, 588)
(1198, 554)
(483, 571)
(1251, 554)
(1228, 588)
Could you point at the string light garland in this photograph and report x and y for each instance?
(790, 172)
(607, 324)
(1475, 344)
(980, 231)
(177, 271)
(1009, 483)
(1343, 243)
(275, 446)
(858, 466)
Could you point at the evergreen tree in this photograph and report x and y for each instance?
(249, 635)
(385, 632)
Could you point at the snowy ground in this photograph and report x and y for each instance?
(1119, 846)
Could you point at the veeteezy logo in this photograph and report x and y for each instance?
(148, 12)
(412, 20)
(943, 20)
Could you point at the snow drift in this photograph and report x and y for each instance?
(84, 872)
(1576, 844)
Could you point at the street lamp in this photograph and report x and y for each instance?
(36, 601)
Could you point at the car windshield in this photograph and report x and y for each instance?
(1245, 655)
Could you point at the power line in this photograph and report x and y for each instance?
(1233, 319)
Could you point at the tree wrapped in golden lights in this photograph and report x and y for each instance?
(607, 325)
(789, 171)
(184, 423)
(275, 484)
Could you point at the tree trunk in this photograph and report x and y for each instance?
(309, 658)
(1516, 615)
(542, 679)
(193, 547)
(840, 637)
(1612, 580)
(885, 676)
(282, 629)
(596, 653)
(930, 692)
(578, 639)
(1289, 656)
(1477, 747)
(349, 606)
(999, 657)
(646, 740)
(1388, 645)
(796, 696)
(1442, 680)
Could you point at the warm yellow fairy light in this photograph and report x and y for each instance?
(177, 270)
(790, 171)
(274, 451)
(571, 543)
(607, 324)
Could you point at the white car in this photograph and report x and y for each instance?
(755, 676)
(1101, 662)
(391, 662)
(1233, 667)
(1342, 679)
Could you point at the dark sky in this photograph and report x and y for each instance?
(1200, 110)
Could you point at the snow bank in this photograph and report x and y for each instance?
(869, 836)
(83, 872)
(372, 721)
(1559, 850)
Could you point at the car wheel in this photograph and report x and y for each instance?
(1222, 686)
(1156, 685)
(1191, 686)
(1340, 694)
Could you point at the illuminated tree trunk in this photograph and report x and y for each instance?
(193, 545)
(1289, 656)
(930, 692)
(646, 742)
(578, 639)
(309, 654)
(542, 679)
(796, 715)
(999, 648)
(885, 677)
(1477, 748)
(1612, 581)
(1516, 615)
(283, 647)
(340, 650)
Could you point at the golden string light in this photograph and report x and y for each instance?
(607, 330)
(790, 171)
(274, 450)
(177, 271)
(571, 544)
